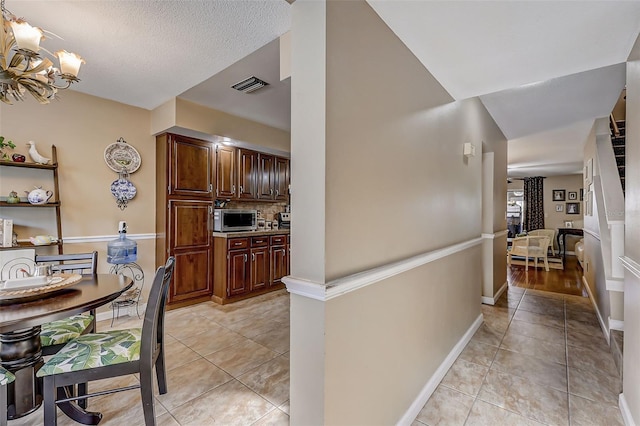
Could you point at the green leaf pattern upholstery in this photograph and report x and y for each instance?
(95, 350)
(6, 377)
(64, 330)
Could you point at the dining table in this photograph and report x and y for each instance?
(20, 348)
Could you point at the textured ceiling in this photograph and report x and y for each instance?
(144, 53)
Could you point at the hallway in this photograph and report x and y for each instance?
(539, 358)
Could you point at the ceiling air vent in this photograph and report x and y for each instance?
(249, 85)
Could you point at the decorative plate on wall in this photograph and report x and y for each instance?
(120, 156)
(123, 189)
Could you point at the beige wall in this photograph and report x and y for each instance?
(394, 151)
(570, 183)
(81, 127)
(384, 342)
(380, 143)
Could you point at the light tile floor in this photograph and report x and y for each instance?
(226, 365)
(539, 358)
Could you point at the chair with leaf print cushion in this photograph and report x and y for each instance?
(114, 353)
(5, 378)
(54, 335)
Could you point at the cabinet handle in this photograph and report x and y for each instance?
(216, 192)
(210, 187)
(253, 257)
(277, 192)
(271, 191)
(233, 189)
(237, 244)
(241, 190)
(245, 257)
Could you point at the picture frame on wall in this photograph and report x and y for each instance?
(568, 224)
(559, 194)
(572, 195)
(559, 208)
(573, 208)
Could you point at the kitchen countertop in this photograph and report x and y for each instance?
(250, 233)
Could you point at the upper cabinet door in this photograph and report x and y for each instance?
(266, 175)
(247, 174)
(226, 172)
(191, 170)
(282, 179)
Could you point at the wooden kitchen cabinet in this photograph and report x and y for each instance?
(189, 241)
(279, 259)
(273, 182)
(243, 267)
(281, 179)
(184, 211)
(191, 167)
(226, 172)
(247, 174)
(266, 177)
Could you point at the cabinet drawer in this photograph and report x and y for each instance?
(238, 243)
(278, 240)
(259, 241)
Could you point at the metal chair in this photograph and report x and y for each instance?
(5, 378)
(54, 335)
(132, 296)
(112, 354)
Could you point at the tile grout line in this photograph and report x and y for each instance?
(475, 398)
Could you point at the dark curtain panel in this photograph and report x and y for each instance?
(533, 203)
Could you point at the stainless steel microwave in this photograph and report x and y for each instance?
(231, 220)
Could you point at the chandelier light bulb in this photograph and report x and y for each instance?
(24, 69)
(26, 36)
(69, 62)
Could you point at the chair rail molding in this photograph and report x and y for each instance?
(336, 288)
(105, 238)
(631, 265)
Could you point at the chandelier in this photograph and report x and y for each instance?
(23, 69)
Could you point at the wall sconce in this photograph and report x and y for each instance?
(469, 150)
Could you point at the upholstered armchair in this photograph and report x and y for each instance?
(551, 233)
(535, 247)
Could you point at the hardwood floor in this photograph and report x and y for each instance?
(565, 281)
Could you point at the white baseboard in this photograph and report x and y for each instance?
(626, 413)
(492, 300)
(433, 382)
(603, 326)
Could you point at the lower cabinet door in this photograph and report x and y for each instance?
(238, 273)
(192, 276)
(259, 268)
(278, 264)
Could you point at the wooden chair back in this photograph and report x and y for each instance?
(78, 263)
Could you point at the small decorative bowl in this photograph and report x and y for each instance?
(18, 158)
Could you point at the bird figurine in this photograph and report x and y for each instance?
(35, 155)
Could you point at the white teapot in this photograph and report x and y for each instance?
(39, 195)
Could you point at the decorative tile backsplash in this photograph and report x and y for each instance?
(269, 211)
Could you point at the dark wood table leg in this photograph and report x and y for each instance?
(21, 353)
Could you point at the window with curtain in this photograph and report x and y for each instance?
(533, 203)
